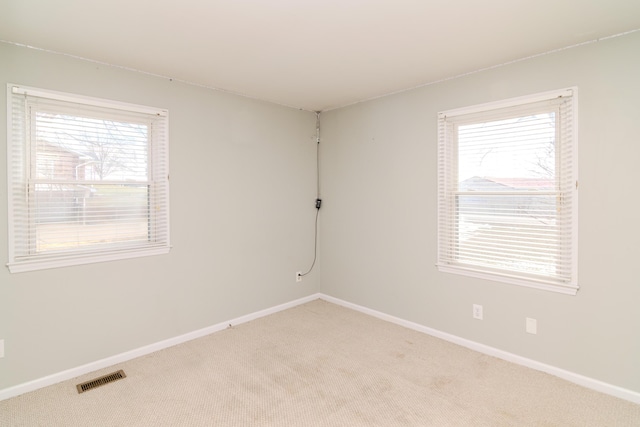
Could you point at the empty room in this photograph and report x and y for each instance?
(296, 213)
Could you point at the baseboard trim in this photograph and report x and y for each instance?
(142, 351)
(578, 379)
(581, 380)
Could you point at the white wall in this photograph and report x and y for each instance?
(379, 214)
(242, 193)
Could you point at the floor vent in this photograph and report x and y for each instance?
(114, 376)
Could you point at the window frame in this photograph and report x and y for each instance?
(21, 214)
(566, 183)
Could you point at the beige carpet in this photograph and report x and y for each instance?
(319, 364)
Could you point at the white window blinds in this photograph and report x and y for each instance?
(88, 180)
(508, 191)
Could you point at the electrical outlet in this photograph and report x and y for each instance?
(1, 349)
(299, 276)
(477, 311)
(532, 326)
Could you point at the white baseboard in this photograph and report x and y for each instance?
(587, 382)
(581, 380)
(142, 351)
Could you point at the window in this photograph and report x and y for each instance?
(507, 191)
(88, 180)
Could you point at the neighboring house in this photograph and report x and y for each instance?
(487, 206)
(58, 195)
(55, 163)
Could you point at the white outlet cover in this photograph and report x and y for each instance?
(1, 348)
(532, 326)
(477, 311)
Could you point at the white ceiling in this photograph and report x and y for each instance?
(314, 55)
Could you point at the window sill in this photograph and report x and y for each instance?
(569, 289)
(42, 264)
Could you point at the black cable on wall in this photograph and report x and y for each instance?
(318, 201)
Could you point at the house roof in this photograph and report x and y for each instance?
(509, 183)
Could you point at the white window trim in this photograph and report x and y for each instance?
(83, 257)
(570, 288)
